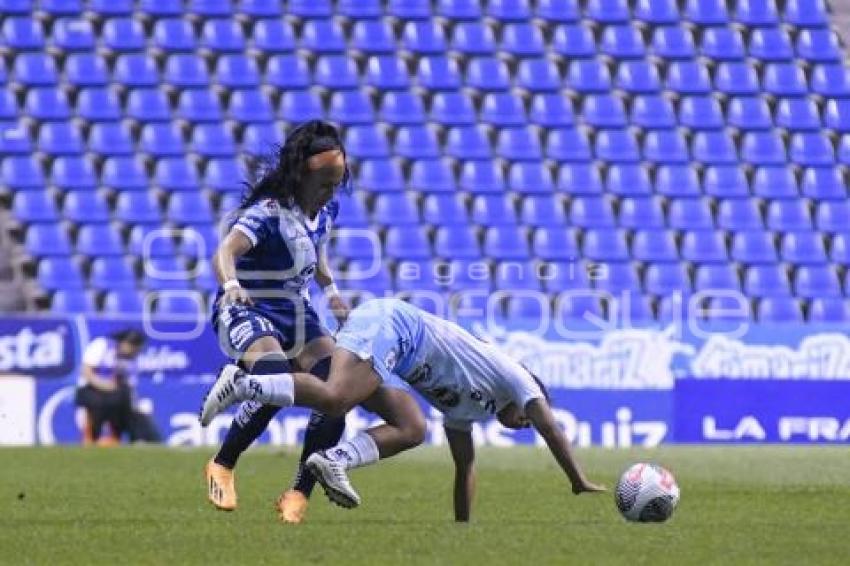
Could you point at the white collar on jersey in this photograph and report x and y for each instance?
(312, 224)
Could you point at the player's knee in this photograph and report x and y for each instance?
(414, 431)
(336, 402)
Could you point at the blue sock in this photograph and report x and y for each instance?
(322, 432)
(252, 418)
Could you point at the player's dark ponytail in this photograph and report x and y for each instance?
(278, 176)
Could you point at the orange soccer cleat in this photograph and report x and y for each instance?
(221, 486)
(291, 506)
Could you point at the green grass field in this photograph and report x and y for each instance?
(147, 505)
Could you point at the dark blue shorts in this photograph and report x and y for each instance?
(292, 323)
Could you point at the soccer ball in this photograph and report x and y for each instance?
(647, 493)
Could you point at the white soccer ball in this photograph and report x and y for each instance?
(647, 493)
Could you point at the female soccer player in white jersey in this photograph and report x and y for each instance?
(263, 316)
(385, 339)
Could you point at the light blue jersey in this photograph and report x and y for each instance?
(464, 378)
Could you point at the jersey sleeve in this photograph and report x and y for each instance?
(524, 388)
(257, 222)
(95, 352)
(458, 425)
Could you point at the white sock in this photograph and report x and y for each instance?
(359, 451)
(271, 389)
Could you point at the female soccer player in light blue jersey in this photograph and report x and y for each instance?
(385, 339)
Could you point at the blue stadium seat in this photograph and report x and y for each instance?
(366, 142)
(736, 79)
(829, 310)
(380, 176)
(8, 106)
(830, 80)
(519, 144)
(322, 37)
(487, 74)
(559, 276)
(621, 279)
(224, 174)
(22, 7)
(560, 11)
(180, 305)
(467, 142)
(85, 206)
(351, 107)
(608, 11)
(438, 73)
(88, 70)
(138, 208)
(22, 173)
(293, 72)
(199, 242)
(248, 106)
(205, 9)
(373, 37)
(811, 149)
(353, 213)
(514, 275)
(581, 307)
(542, 210)
(99, 240)
(592, 212)
(717, 277)
(35, 69)
(673, 42)
(579, 179)
(151, 241)
(844, 149)
(753, 247)
(300, 105)
(126, 301)
(628, 180)
(14, 140)
(727, 308)
(739, 214)
(636, 213)
(402, 109)
(161, 140)
(522, 39)
(360, 9)
(638, 77)
(124, 174)
(690, 214)
(432, 176)
(481, 177)
(161, 8)
(506, 243)
(839, 252)
(417, 142)
(199, 106)
(714, 148)
(173, 35)
(701, 247)
(813, 281)
(618, 146)
(797, 114)
(272, 35)
(47, 240)
(551, 110)
(98, 105)
(409, 9)
(502, 109)
(803, 248)
(164, 273)
(656, 246)
(767, 281)
(473, 38)
(806, 13)
(538, 75)
(237, 71)
(416, 275)
(452, 109)
(771, 44)
(832, 216)
(23, 34)
(456, 242)
(445, 209)
(573, 41)
(72, 301)
(664, 279)
(775, 183)
(701, 113)
(310, 8)
(622, 42)
(73, 173)
(784, 79)
(605, 245)
(836, 115)
(757, 13)
(665, 146)
(722, 44)
(749, 113)
(34, 206)
(784, 216)
(677, 181)
(425, 37)
(652, 111)
(46, 104)
(589, 76)
(395, 209)
(183, 70)
(459, 9)
(493, 210)
(222, 36)
(148, 105)
(604, 111)
(55, 273)
(530, 178)
(568, 144)
(60, 138)
(688, 77)
(468, 275)
(176, 174)
(657, 12)
(725, 181)
(385, 72)
(706, 12)
(189, 208)
(136, 70)
(123, 35)
(555, 244)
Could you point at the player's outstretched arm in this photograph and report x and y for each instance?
(540, 415)
(463, 453)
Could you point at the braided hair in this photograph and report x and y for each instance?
(279, 176)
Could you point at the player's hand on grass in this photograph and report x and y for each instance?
(338, 308)
(585, 486)
(236, 296)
